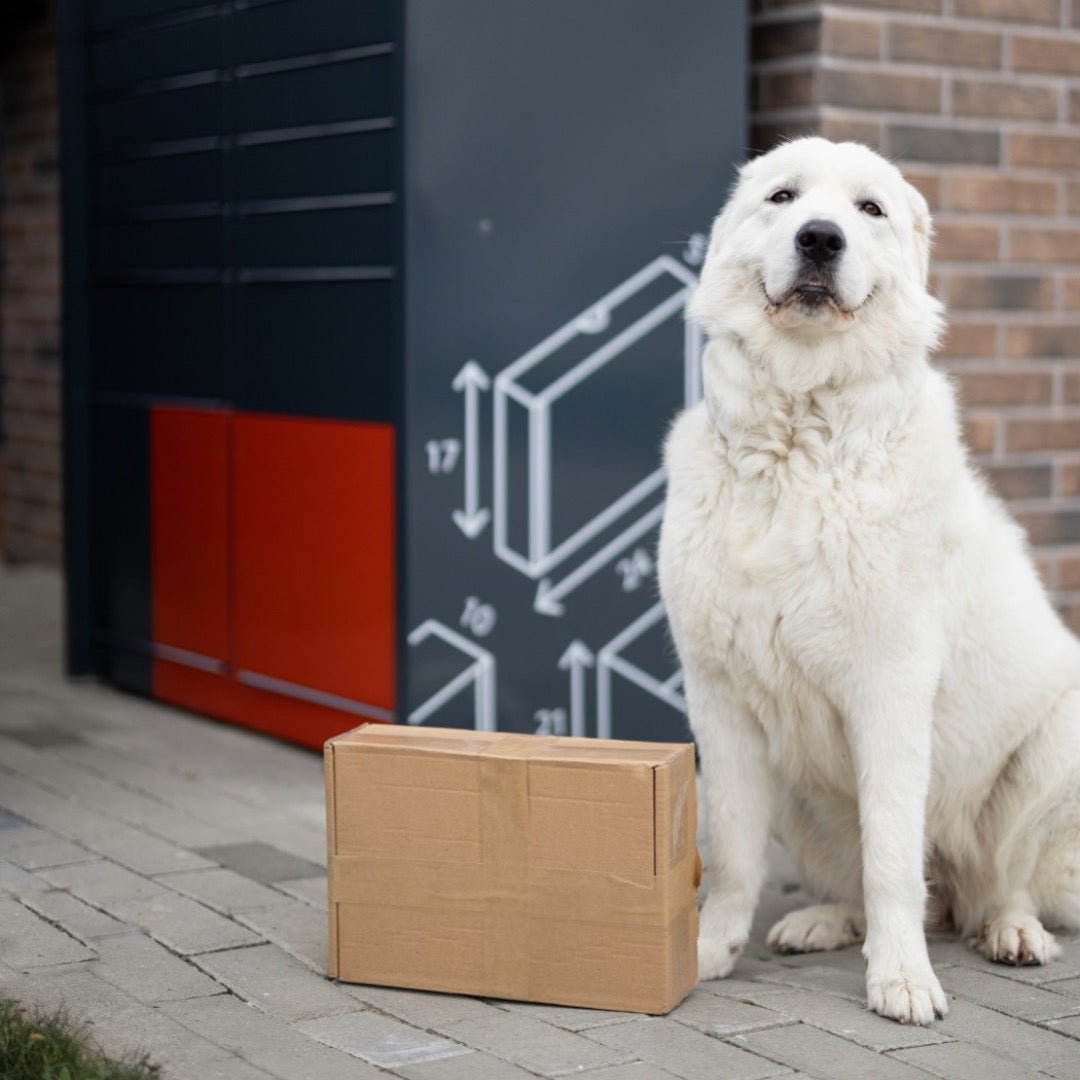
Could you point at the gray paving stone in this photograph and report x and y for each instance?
(824, 1055)
(101, 882)
(850, 1020)
(148, 972)
(472, 1066)
(80, 920)
(682, 1050)
(380, 1040)
(1070, 1025)
(75, 988)
(714, 1015)
(437, 1012)
(296, 927)
(44, 735)
(639, 1070)
(276, 983)
(311, 890)
(27, 940)
(1022, 1042)
(266, 1043)
(124, 844)
(565, 1016)
(180, 923)
(963, 1061)
(262, 862)
(832, 980)
(223, 890)
(52, 851)
(1068, 987)
(1005, 995)
(15, 881)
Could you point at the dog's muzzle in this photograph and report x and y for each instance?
(820, 242)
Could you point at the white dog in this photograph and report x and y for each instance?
(872, 666)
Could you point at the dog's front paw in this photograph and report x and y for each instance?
(716, 956)
(910, 994)
(1016, 939)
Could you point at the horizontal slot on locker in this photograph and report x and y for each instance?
(186, 178)
(157, 53)
(186, 113)
(122, 14)
(360, 236)
(327, 166)
(296, 27)
(361, 89)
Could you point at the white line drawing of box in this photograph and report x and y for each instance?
(609, 662)
(480, 672)
(540, 555)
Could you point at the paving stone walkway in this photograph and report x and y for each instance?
(164, 878)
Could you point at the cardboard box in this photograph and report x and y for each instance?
(513, 866)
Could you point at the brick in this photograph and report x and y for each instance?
(1028, 11)
(969, 340)
(261, 862)
(956, 241)
(765, 135)
(1070, 297)
(1010, 100)
(275, 983)
(380, 1040)
(785, 89)
(980, 433)
(1072, 386)
(1005, 387)
(927, 181)
(284, 1052)
(480, 1066)
(570, 1018)
(1007, 292)
(1044, 340)
(988, 192)
(851, 37)
(913, 142)
(683, 1051)
(873, 89)
(1053, 55)
(1046, 433)
(1068, 577)
(719, 1016)
(296, 927)
(930, 44)
(1050, 526)
(101, 882)
(29, 941)
(842, 127)
(1070, 613)
(1043, 150)
(791, 37)
(804, 1047)
(1044, 244)
(1068, 478)
(1021, 481)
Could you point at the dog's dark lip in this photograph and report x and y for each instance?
(813, 288)
(817, 291)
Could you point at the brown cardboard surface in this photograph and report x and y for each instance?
(537, 868)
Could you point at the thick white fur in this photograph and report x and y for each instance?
(872, 666)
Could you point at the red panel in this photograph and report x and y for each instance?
(314, 558)
(189, 516)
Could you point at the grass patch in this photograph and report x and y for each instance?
(34, 1046)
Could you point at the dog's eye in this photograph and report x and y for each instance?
(782, 196)
(868, 206)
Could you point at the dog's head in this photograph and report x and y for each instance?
(821, 246)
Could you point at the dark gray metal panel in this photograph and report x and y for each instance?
(563, 163)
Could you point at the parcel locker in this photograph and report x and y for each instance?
(373, 330)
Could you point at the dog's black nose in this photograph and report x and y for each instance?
(820, 241)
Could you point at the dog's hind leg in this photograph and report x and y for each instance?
(818, 928)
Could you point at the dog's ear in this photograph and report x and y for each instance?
(923, 230)
(724, 221)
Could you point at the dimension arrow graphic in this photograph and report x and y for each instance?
(576, 659)
(473, 381)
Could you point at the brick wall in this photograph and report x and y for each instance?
(30, 486)
(978, 101)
